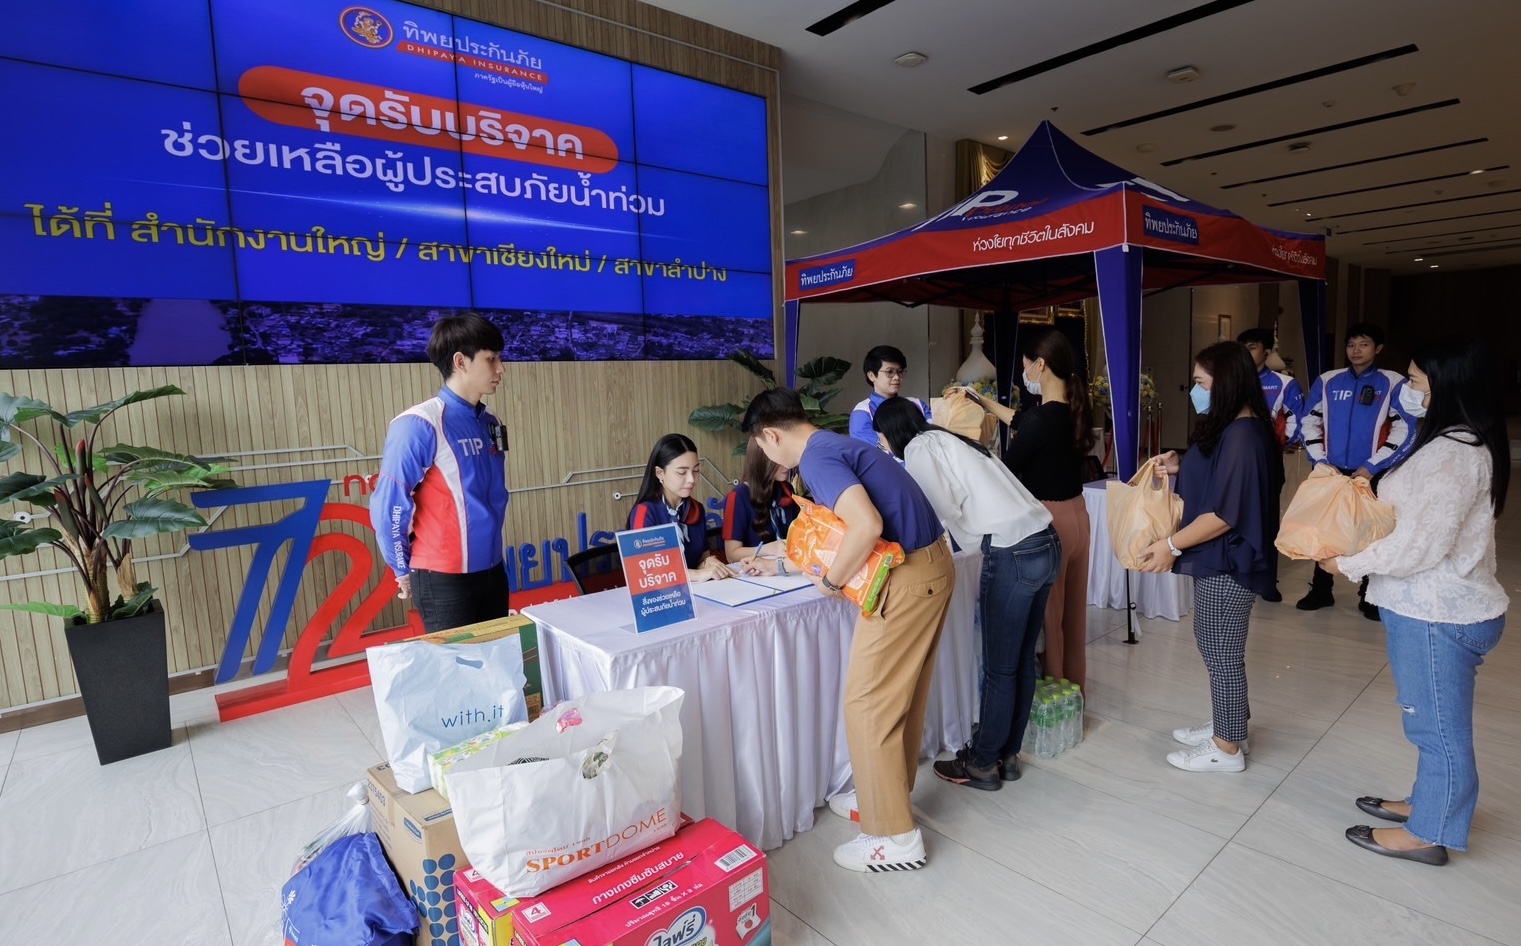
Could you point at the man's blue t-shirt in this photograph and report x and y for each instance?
(831, 464)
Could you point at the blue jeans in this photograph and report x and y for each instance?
(1016, 581)
(1434, 666)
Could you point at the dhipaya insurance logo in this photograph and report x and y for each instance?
(366, 27)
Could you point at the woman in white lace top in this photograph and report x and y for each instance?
(1433, 580)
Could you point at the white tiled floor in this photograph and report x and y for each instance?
(1105, 844)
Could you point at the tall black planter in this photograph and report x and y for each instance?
(123, 672)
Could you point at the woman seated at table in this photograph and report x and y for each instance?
(757, 514)
(665, 497)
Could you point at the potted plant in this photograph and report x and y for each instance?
(92, 504)
(814, 380)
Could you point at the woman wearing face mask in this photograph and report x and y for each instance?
(757, 514)
(665, 496)
(1433, 580)
(1226, 542)
(1047, 456)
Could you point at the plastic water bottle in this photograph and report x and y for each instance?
(1045, 729)
(1066, 709)
(1077, 703)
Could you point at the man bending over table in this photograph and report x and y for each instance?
(892, 656)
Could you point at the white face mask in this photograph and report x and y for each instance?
(1413, 401)
(1030, 385)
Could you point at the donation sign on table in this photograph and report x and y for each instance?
(656, 570)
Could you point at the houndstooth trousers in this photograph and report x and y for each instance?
(1222, 610)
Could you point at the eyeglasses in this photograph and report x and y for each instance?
(891, 372)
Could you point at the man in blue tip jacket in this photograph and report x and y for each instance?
(440, 502)
(1353, 421)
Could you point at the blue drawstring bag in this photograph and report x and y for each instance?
(347, 896)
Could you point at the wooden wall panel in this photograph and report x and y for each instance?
(562, 417)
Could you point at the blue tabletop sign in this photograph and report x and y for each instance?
(656, 571)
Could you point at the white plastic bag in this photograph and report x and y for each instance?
(589, 782)
(430, 694)
(357, 820)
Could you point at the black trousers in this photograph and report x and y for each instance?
(447, 601)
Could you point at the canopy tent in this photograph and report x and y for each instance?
(1060, 224)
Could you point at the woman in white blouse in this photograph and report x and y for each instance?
(984, 506)
(1433, 580)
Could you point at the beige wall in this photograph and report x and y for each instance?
(562, 417)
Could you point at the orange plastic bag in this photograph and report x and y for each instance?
(1141, 512)
(1332, 515)
(813, 541)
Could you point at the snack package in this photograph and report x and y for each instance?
(442, 761)
(813, 541)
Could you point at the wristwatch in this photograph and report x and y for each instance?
(1173, 548)
(828, 584)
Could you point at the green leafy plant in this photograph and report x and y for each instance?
(814, 380)
(102, 500)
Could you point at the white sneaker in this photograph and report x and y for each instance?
(1207, 758)
(866, 854)
(1201, 734)
(844, 805)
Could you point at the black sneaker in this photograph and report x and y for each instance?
(958, 772)
(1008, 769)
(1315, 600)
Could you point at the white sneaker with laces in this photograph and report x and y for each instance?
(1201, 734)
(866, 854)
(844, 805)
(1207, 758)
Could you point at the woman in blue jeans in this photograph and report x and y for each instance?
(984, 506)
(1433, 580)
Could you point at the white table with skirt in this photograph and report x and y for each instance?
(762, 722)
(1155, 596)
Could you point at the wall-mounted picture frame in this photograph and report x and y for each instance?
(1225, 329)
(1045, 315)
(1072, 310)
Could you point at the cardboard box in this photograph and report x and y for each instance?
(706, 886)
(528, 635)
(418, 835)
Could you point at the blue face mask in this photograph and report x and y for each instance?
(1200, 397)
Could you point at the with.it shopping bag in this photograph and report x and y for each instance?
(440, 689)
(1331, 515)
(589, 782)
(1141, 512)
(814, 540)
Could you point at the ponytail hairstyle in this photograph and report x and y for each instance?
(1053, 348)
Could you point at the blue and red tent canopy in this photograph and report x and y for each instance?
(1060, 224)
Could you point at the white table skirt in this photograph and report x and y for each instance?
(1156, 596)
(764, 734)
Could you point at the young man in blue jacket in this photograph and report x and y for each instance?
(884, 367)
(440, 502)
(1353, 421)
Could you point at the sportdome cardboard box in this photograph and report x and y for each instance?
(706, 886)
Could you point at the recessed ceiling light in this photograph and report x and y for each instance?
(1146, 147)
(1183, 74)
(1419, 259)
(1435, 265)
(1307, 213)
(907, 206)
(1006, 138)
(799, 232)
(911, 59)
(1225, 127)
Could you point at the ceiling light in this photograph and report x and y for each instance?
(910, 60)
(1299, 147)
(799, 232)
(907, 206)
(1419, 259)
(1479, 171)
(1435, 265)
(1307, 214)
(1006, 138)
(1183, 74)
(1146, 148)
(1225, 127)
(1404, 88)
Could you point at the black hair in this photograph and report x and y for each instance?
(1367, 330)
(467, 334)
(901, 420)
(1054, 348)
(759, 475)
(1465, 405)
(1233, 385)
(880, 356)
(667, 448)
(773, 407)
(1259, 336)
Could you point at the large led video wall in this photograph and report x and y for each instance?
(312, 181)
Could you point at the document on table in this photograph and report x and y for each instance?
(743, 589)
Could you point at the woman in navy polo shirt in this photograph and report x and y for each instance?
(757, 514)
(665, 497)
